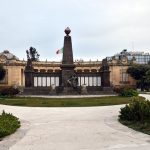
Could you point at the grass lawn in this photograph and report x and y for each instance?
(64, 102)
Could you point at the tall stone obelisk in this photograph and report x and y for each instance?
(67, 65)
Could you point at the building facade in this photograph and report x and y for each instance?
(118, 66)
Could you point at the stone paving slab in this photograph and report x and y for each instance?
(78, 128)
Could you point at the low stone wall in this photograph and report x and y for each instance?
(66, 91)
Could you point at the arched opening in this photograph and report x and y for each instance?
(42, 70)
(35, 70)
(79, 70)
(57, 71)
(93, 70)
(86, 70)
(50, 70)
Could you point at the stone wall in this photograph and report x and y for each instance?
(16, 71)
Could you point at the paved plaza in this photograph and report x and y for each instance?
(80, 128)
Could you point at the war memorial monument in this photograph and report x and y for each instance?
(67, 80)
(69, 76)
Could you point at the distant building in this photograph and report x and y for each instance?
(139, 57)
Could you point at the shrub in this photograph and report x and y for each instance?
(128, 92)
(8, 124)
(9, 91)
(137, 110)
(117, 89)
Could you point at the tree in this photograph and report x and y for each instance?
(141, 73)
(147, 80)
(2, 72)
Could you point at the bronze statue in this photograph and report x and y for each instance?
(32, 54)
(73, 81)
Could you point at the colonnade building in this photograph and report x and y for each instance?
(118, 65)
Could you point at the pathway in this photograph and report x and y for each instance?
(82, 128)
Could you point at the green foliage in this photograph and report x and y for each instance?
(8, 124)
(138, 71)
(2, 72)
(8, 91)
(128, 92)
(147, 80)
(141, 73)
(138, 110)
(117, 90)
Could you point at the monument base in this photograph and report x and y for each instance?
(69, 91)
(84, 90)
(107, 90)
(36, 91)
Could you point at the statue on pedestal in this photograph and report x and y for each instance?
(32, 54)
(73, 81)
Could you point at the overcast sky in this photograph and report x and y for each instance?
(100, 28)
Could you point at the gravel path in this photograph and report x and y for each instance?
(81, 128)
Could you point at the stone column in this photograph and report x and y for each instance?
(29, 81)
(105, 76)
(68, 66)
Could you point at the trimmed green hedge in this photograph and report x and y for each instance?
(136, 115)
(137, 110)
(8, 124)
(128, 92)
(9, 91)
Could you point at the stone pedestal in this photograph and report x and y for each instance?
(107, 89)
(69, 91)
(29, 74)
(106, 78)
(67, 72)
(53, 90)
(105, 73)
(84, 90)
(106, 82)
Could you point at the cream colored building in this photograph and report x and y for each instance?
(15, 69)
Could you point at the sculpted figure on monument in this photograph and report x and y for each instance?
(105, 65)
(32, 54)
(73, 81)
(28, 57)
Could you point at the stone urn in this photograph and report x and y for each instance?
(84, 89)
